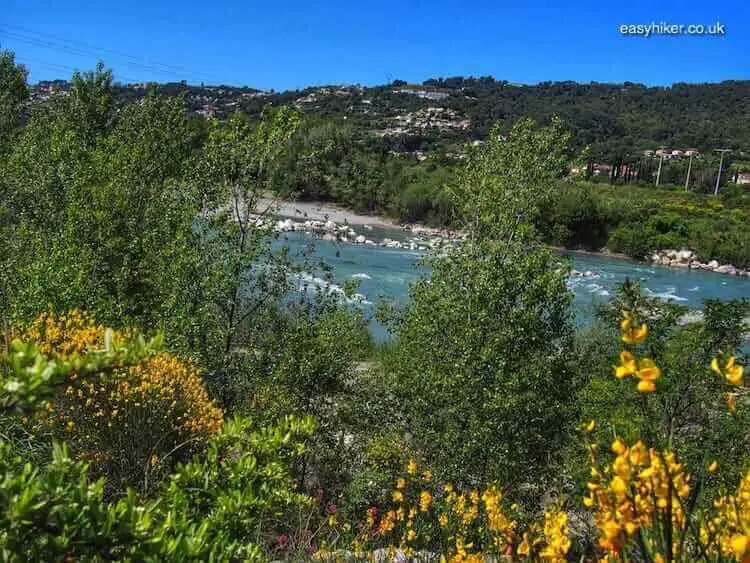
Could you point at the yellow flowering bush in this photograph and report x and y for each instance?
(459, 527)
(728, 532)
(128, 427)
(644, 505)
(644, 500)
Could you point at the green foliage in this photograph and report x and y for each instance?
(13, 93)
(505, 183)
(480, 361)
(211, 510)
(688, 414)
(630, 240)
(119, 213)
(212, 507)
(241, 489)
(636, 221)
(27, 377)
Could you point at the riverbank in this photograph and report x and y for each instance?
(322, 211)
(336, 222)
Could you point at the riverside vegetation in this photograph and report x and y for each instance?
(170, 389)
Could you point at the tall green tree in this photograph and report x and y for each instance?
(245, 276)
(97, 209)
(480, 362)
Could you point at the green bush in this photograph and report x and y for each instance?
(630, 240)
(220, 505)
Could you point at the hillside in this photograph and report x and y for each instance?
(614, 120)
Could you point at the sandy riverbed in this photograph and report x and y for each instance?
(317, 211)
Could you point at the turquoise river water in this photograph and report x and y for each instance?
(386, 273)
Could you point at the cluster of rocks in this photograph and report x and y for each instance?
(688, 259)
(330, 230)
(586, 274)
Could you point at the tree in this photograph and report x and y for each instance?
(247, 279)
(89, 107)
(13, 94)
(480, 360)
(115, 197)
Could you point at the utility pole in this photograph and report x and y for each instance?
(687, 178)
(661, 161)
(721, 163)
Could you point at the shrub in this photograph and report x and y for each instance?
(423, 518)
(629, 239)
(479, 364)
(219, 506)
(131, 427)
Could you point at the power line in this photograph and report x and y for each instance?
(72, 50)
(24, 59)
(88, 48)
(135, 58)
(79, 48)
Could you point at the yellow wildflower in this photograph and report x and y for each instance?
(411, 467)
(425, 500)
(731, 402)
(648, 370)
(740, 545)
(524, 547)
(732, 371)
(631, 334)
(619, 447)
(627, 365)
(646, 386)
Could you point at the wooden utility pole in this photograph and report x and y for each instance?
(690, 167)
(721, 163)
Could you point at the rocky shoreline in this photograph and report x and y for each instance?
(358, 229)
(688, 259)
(422, 239)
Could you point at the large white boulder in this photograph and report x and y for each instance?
(726, 269)
(685, 255)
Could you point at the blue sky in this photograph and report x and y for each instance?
(289, 45)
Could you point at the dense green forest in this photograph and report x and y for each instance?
(171, 389)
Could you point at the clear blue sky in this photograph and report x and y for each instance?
(291, 44)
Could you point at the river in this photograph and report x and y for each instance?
(385, 273)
